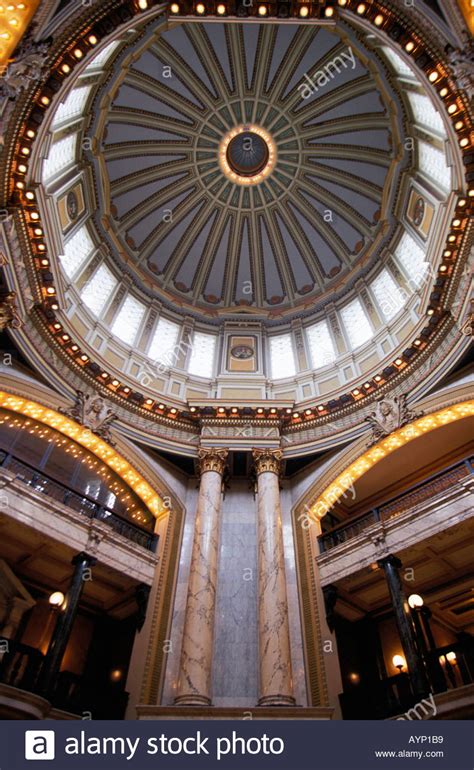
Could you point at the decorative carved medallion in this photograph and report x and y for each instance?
(242, 352)
(92, 412)
(389, 415)
(267, 460)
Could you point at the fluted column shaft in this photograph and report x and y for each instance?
(276, 686)
(194, 685)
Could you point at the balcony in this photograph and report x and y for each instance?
(80, 503)
(21, 696)
(413, 496)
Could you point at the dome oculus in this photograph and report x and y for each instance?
(247, 154)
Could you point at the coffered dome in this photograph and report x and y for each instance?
(196, 215)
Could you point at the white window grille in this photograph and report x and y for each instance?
(164, 345)
(356, 323)
(282, 358)
(411, 257)
(128, 320)
(98, 290)
(73, 107)
(62, 154)
(320, 343)
(201, 362)
(76, 251)
(424, 112)
(388, 294)
(432, 162)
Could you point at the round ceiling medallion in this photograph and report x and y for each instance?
(247, 154)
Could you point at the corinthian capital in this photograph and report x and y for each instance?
(212, 460)
(267, 460)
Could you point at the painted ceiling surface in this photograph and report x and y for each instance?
(185, 229)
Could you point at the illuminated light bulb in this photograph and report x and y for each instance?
(356, 392)
(320, 408)
(65, 68)
(56, 599)
(34, 215)
(25, 150)
(200, 8)
(443, 268)
(126, 390)
(377, 378)
(433, 76)
(78, 53)
(30, 195)
(193, 409)
(410, 46)
(458, 125)
(65, 337)
(361, 8)
(161, 406)
(92, 40)
(456, 222)
(464, 142)
(304, 11)
(20, 185)
(51, 290)
(417, 343)
(471, 193)
(378, 21)
(308, 412)
(84, 357)
(173, 410)
(221, 410)
(149, 401)
(415, 600)
(13, 22)
(45, 100)
(296, 415)
(22, 168)
(5, 36)
(104, 375)
(342, 2)
(444, 92)
(452, 238)
(262, 10)
(329, 12)
(452, 108)
(38, 231)
(30, 133)
(462, 202)
(41, 247)
(143, 4)
(174, 8)
(451, 656)
(430, 311)
(115, 383)
(221, 9)
(45, 263)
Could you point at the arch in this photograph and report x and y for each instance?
(386, 446)
(85, 438)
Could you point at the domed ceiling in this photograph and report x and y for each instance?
(231, 181)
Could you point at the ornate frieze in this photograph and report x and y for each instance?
(9, 314)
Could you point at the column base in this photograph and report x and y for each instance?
(276, 700)
(219, 712)
(192, 700)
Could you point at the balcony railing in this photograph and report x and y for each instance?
(385, 698)
(414, 495)
(20, 667)
(79, 502)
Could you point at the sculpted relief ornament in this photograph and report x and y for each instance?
(27, 67)
(212, 460)
(9, 315)
(389, 415)
(267, 460)
(92, 412)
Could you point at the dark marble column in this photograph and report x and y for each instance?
(391, 565)
(64, 623)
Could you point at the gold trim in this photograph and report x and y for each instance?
(85, 438)
(267, 461)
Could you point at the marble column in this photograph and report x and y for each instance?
(194, 684)
(276, 686)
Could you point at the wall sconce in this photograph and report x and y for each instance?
(399, 662)
(415, 601)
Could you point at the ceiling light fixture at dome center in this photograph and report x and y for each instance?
(247, 154)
